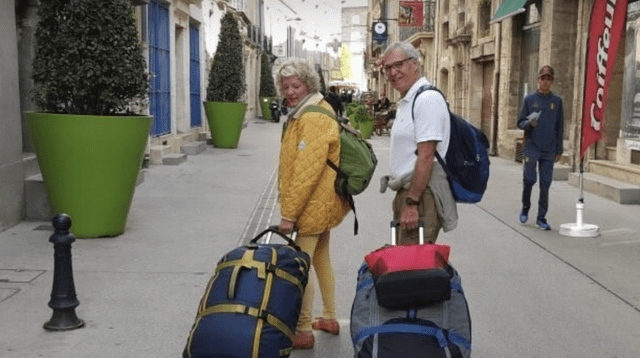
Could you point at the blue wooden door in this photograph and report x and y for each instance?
(194, 76)
(160, 67)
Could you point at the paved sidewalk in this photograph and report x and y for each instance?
(531, 293)
(139, 291)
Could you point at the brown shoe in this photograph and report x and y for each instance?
(304, 340)
(327, 325)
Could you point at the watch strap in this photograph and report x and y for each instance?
(410, 201)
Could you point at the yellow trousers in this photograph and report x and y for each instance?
(317, 246)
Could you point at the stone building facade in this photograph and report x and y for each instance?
(203, 17)
(190, 31)
(555, 32)
(353, 32)
(12, 158)
(485, 56)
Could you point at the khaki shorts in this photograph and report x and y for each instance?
(428, 213)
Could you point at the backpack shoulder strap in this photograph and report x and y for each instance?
(319, 109)
(340, 172)
(424, 88)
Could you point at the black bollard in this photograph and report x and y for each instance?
(63, 295)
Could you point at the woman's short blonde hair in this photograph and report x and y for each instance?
(301, 70)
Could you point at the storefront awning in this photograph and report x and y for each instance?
(509, 8)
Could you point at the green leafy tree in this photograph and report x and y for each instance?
(345, 63)
(267, 86)
(226, 78)
(88, 58)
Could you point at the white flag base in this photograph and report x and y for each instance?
(579, 229)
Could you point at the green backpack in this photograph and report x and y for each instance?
(357, 162)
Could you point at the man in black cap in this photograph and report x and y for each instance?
(542, 119)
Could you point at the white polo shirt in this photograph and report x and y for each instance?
(431, 123)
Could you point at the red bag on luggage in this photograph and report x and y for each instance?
(407, 258)
(410, 276)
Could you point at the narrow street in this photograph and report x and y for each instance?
(531, 293)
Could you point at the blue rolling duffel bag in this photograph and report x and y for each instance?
(251, 306)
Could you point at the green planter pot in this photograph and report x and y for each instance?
(90, 166)
(366, 128)
(225, 122)
(264, 106)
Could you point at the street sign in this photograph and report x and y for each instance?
(380, 31)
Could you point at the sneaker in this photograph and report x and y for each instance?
(327, 325)
(542, 224)
(303, 340)
(524, 216)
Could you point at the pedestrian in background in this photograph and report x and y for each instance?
(415, 137)
(308, 199)
(343, 99)
(382, 104)
(542, 119)
(334, 100)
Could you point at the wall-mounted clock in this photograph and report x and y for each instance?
(380, 28)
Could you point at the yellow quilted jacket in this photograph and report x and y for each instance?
(307, 194)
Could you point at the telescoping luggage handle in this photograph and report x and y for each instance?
(395, 226)
(274, 229)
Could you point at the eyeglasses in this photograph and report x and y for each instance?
(396, 65)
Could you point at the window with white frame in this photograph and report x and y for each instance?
(236, 4)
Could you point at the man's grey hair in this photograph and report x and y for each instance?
(407, 48)
(300, 69)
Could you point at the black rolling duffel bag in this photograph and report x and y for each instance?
(251, 305)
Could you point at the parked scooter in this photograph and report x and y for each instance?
(275, 111)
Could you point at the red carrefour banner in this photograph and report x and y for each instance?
(410, 14)
(605, 30)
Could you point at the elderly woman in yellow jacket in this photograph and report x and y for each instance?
(308, 199)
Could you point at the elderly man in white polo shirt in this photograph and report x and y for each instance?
(424, 194)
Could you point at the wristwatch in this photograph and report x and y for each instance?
(410, 201)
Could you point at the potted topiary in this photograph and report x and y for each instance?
(359, 119)
(88, 74)
(350, 110)
(267, 87)
(225, 112)
(366, 126)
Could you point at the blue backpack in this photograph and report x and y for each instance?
(467, 159)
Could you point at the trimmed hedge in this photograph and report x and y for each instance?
(267, 86)
(88, 58)
(226, 78)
